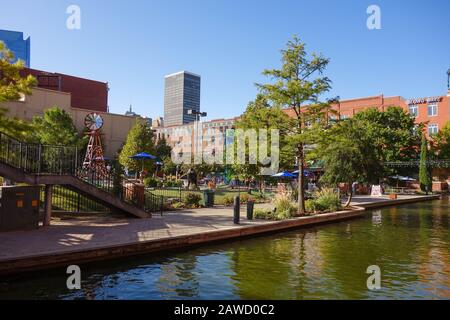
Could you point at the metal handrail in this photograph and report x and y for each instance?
(34, 158)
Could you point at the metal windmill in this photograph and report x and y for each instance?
(94, 159)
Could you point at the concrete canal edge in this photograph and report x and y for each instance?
(63, 259)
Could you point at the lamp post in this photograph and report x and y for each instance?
(448, 79)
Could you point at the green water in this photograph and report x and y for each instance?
(409, 243)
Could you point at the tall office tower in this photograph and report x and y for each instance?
(182, 92)
(17, 44)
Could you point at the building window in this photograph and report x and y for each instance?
(432, 109)
(433, 129)
(413, 110)
(344, 116)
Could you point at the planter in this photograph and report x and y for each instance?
(393, 196)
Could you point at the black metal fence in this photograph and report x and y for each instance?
(60, 160)
(70, 201)
(38, 158)
(172, 195)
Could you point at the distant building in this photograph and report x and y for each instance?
(131, 113)
(182, 92)
(158, 122)
(86, 94)
(17, 44)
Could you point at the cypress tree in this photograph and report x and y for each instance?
(424, 176)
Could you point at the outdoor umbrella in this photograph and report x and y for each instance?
(305, 172)
(143, 156)
(284, 174)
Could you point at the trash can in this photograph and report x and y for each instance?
(19, 208)
(208, 196)
(250, 208)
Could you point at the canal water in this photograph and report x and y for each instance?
(409, 243)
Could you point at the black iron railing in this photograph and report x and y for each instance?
(60, 160)
(67, 200)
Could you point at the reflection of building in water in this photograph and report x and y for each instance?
(376, 218)
(434, 260)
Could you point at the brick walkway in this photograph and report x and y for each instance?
(65, 236)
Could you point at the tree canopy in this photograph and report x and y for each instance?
(56, 127)
(139, 139)
(298, 86)
(12, 88)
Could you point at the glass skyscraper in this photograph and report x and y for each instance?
(182, 92)
(17, 44)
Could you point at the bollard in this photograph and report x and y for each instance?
(250, 207)
(237, 209)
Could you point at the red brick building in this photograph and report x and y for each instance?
(433, 111)
(85, 93)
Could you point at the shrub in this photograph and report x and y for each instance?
(310, 206)
(193, 199)
(244, 197)
(326, 200)
(228, 200)
(284, 207)
(150, 182)
(264, 214)
(177, 205)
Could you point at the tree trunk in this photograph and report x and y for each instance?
(350, 196)
(301, 189)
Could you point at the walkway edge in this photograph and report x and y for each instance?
(35, 263)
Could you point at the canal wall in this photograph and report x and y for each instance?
(61, 258)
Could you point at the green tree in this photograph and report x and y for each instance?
(442, 142)
(139, 139)
(12, 88)
(344, 154)
(260, 115)
(298, 86)
(56, 127)
(164, 153)
(424, 174)
(394, 136)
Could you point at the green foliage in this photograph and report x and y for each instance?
(139, 139)
(264, 214)
(284, 207)
(310, 206)
(325, 200)
(345, 154)
(117, 179)
(56, 127)
(178, 205)
(424, 174)
(150, 182)
(393, 135)
(228, 200)
(260, 115)
(12, 88)
(245, 198)
(297, 86)
(442, 142)
(193, 199)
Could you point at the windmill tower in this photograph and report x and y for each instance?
(94, 159)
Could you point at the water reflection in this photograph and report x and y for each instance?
(409, 243)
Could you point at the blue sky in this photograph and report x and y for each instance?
(133, 44)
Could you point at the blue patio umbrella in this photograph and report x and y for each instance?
(305, 172)
(284, 174)
(143, 156)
